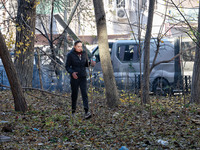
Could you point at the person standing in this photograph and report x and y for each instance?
(76, 64)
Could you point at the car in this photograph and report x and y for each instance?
(128, 67)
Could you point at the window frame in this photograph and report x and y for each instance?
(130, 49)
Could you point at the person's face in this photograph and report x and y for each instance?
(78, 47)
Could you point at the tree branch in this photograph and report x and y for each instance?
(186, 23)
(7, 10)
(63, 67)
(165, 61)
(36, 89)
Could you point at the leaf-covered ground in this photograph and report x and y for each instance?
(48, 124)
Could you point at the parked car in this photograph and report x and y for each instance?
(125, 57)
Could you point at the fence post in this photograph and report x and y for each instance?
(1, 78)
(186, 84)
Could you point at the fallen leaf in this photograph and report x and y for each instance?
(196, 121)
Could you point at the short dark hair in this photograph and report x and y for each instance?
(76, 42)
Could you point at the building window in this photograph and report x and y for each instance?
(110, 2)
(120, 3)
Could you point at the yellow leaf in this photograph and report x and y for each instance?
(27, 44)
(196, 121)
(24, 50)
(38, 2)
(27, 38)
(18, 52)
(18, 45)
(19, 29)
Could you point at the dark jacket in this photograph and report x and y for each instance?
(74, 64)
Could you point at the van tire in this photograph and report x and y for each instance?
(161, 87)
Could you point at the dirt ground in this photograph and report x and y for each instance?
(168, 123)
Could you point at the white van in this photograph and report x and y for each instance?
(126, 65)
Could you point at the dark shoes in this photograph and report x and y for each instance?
(87, 115)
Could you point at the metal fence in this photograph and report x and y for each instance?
(160, 86)
(50, 81)
(62, 83)
(182, 85)
(1, 78)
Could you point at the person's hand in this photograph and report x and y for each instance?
(93, 63)
(74, 75)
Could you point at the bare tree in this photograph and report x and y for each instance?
(56, 57)
(194, 35)
(19, 100)
(24, 47)
(195, 90)
(108, 75)
(147, 52)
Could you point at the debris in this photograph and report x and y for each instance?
(147, 143)
(3, 121)
(197, 122)
(162, 142)
(123, 148)
(7, 129)
(4, 138)
(115, 114)
(35, 129)
(198, 111)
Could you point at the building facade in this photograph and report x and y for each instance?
(124, 17)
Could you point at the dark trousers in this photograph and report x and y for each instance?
(75, 84)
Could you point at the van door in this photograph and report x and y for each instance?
(126, 63)
(162, 75)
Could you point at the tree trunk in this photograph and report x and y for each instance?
(195, 90)
(39, 69)
(24, 47)
(19, 100)
(147, 53)
(108, 75)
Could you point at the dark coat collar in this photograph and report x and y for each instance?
(74, 52)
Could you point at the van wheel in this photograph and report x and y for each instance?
(161, 87)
